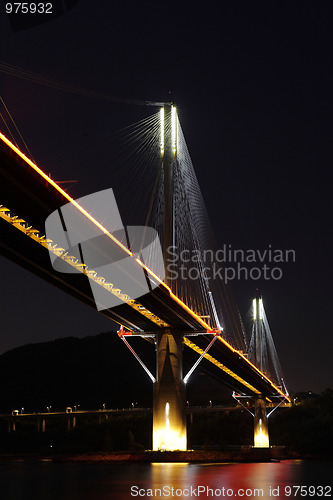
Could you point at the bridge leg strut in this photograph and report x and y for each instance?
(261, 436)
(169, 417)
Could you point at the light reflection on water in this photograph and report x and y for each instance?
(47, 480)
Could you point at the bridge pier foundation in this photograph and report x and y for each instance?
(40, 428)
(11, 425)
(261, 436)
(169, 416)
(71, 423)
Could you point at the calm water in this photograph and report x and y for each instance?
(61, 481)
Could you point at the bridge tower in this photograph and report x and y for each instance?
(261, 437)
(169, 417)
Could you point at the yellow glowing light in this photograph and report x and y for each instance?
(167, 420)
(168, 439)
(162, 131)
(167, 436)
(254, 309)
(174, 129)
(261, 438)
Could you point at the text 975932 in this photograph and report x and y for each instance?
(28, 7)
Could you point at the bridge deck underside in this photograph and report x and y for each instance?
(32, 198)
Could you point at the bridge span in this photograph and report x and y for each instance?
(28, 196)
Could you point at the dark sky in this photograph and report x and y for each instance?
(253, 84)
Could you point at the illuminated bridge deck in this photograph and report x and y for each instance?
(31, 196)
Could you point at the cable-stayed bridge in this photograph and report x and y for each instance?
(118, 267)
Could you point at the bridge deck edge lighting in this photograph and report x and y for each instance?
(104, 230)
(255, 368)
(49, 245)
(92, 219)
(34, 234)
(62, 191)
(220, 365)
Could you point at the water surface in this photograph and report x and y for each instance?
(62, 481)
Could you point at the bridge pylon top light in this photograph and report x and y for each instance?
(258, 309)
(174, 130)
(168, 130)
(162, 143)
(254, 307)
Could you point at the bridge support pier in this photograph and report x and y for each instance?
(39, 426)
(261, 436)
(71, 423)
(169, 416)
(11, 425)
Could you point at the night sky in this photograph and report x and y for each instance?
(253, 85)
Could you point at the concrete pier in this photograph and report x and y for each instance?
(169, 411)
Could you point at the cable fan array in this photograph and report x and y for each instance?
(270, 364)
(191, 257)
(129, 161)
